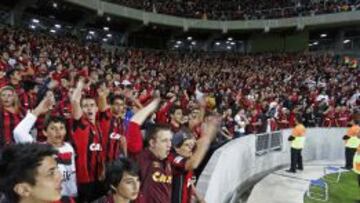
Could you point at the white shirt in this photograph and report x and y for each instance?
(240, 124)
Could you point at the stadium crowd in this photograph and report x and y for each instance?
(95, 106)
(240, 9)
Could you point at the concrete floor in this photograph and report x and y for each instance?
(283, 187)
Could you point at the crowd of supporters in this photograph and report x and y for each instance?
(241, 9)
(94, 106)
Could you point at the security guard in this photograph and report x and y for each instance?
(351, 143)
(297, 139)
(356, 164)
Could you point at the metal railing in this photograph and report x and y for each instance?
(268, 142)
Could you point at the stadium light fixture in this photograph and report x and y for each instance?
(58, 26)
(176, 46)
(193, 43)
(230, 38)
(32, 27)
(106, 28)
(53, 31)
(105, 39)
(189, 38)
(346, 41)
(55, 5)
(217, 43)
(232, 43)
(109, 35)
(35, 20)
(316, 43)
(91, 32)
(323, 35)
(178, 42)
(228, 47)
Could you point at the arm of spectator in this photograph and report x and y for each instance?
(76, 98)
(137, 103)
(129, 95)
(164, 109)
(202, 110)
(186, 95)
(123, 145)
(143, 113)
(225, 132)
(103, 93)
(209, 131)
(144, 98)
(22, 130)
(133, 134)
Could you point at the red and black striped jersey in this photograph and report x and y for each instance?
(87, 141)
(8, 121)
(112, 129)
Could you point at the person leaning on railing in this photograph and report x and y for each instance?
(297, 140)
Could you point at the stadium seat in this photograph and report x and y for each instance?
(332, 170)
(318, 190)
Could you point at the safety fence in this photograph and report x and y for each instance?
(268, 142)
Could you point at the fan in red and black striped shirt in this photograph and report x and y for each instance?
(113, 126)
(10, 114)
(87, 141)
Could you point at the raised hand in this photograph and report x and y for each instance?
(211, 127)
(103, 91)
(45, 105)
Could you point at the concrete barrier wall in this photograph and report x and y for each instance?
(236, 163)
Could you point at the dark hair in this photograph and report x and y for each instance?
(11, 72)
(115, 97)
(19, 163)
(115, 171)
(174, 108)
(54, 119)
(153, 130)
(181, 136)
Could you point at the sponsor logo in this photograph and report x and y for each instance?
(95, 147)
(115, 136)
(161, 178)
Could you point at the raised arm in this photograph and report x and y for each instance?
(143, 113)
(22, 130)
(133, 133)
(76, 98)
(209, 131)
(103, 93)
